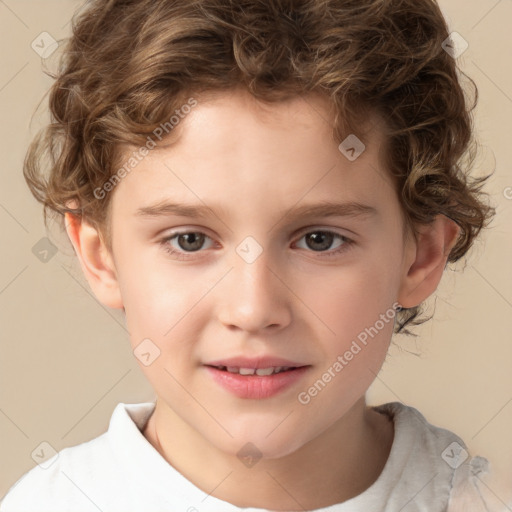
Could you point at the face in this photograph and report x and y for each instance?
(256, 280)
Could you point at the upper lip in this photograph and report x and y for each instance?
(255, 362)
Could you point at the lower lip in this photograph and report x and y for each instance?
(256, 386)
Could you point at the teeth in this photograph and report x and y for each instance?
(265, 371)
(246, 371)
(252, 371)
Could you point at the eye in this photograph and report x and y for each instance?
(181, 245)
(186, 242)
(321, 241)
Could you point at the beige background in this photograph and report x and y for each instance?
(66, 360)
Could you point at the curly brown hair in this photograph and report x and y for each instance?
(130, 64)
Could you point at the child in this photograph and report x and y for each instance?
(258, 132)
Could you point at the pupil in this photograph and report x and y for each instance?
(196, 239)
(318, 238)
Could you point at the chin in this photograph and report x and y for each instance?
(261, 444)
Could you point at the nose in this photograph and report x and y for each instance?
(255, 296)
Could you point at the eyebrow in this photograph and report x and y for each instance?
(323, 209)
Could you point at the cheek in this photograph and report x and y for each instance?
(347, 300)
(156, 293)
(353, 358)
(355, 302)
(165, 305)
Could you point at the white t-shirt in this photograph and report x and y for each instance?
(121, 471)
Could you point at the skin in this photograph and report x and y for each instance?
(256, 161)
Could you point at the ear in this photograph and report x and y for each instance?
(96, 261)
(426, 260)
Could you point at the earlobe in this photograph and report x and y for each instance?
(96, 261)
(424, 270)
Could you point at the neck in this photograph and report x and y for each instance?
(340, 463)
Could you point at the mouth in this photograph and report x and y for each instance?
(261, 372)
(256, 380)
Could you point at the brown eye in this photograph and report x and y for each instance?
(191, 241)
(322, 241)
(319, 240)
(183, 245)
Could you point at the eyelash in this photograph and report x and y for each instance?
(347, 244)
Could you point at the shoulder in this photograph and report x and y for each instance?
(437, 448)
(59, 481)
(434, 464)
(75, 477)
(411, 421)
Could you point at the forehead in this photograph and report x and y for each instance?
(227, 117)
(233, 148)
